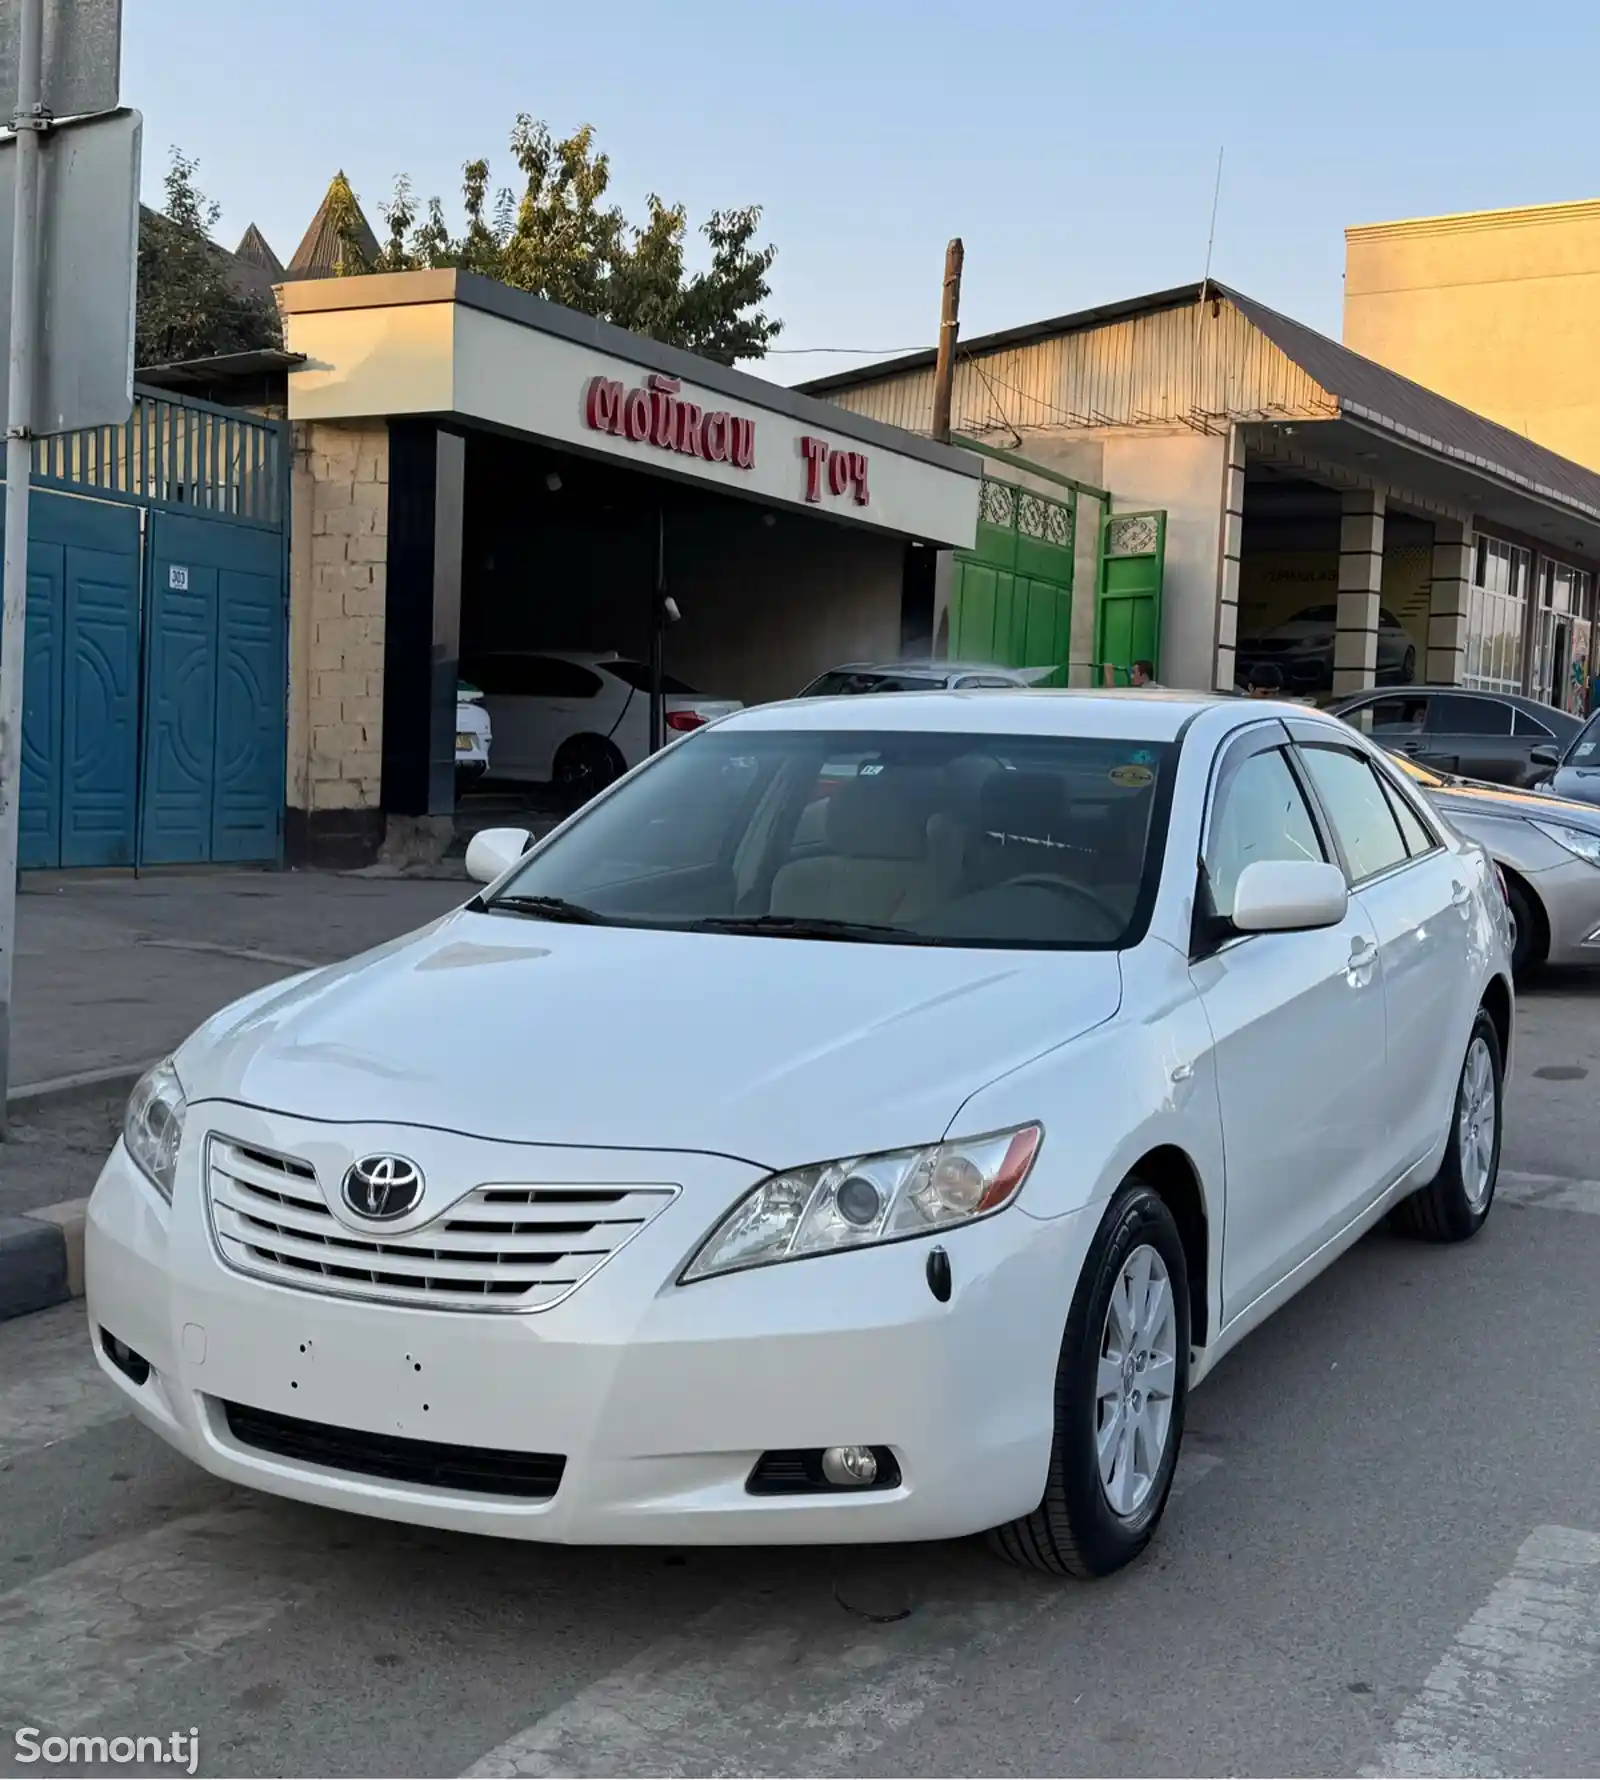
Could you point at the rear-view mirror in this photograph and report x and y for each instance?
(493, 851)
(1289, 896)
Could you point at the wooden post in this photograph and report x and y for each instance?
(949, 316)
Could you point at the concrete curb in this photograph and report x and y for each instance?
(65, 1090)
(41, 1258)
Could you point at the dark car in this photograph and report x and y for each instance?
(1301, 649)
(1578, 775)
(1501, 737)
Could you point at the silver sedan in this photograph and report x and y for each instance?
(1548, 851)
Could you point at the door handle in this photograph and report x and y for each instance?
(1460, 895)
(1363, 955)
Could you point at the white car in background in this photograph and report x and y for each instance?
(695, 1184)
(579, 719)
(474, 735)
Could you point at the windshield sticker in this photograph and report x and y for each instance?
(1142, 757)
(1131, 778)
(1582, 749)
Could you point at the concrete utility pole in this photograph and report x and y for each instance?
(949, 317)
(30, 121)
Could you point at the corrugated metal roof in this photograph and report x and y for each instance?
(1366, 392)
(1383, 398)
(192, 372)
(254, 250)
(322, 251)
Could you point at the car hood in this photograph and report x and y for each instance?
(1498, 800)
(775, 1051)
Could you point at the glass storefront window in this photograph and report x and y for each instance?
(1497, 602)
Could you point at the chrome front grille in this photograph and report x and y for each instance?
(501, 1246)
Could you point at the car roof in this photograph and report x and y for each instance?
(922, 666)
(1428, 688)
(1115, 714)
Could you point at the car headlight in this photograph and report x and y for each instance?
(1577, 841)
(866, 1200)
(152, 1126)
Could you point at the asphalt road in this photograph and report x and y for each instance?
(1384, 1557)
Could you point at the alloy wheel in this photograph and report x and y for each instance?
(1477, 1119)
(1135, 1381)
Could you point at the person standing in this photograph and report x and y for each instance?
(1143, 673)
(1264, 681)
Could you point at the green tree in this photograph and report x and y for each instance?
(192, 302)
(562, 240)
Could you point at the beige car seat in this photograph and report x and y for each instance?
(879, 866)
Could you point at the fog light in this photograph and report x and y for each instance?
(849, 1465)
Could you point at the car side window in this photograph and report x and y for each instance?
(1459, 714)
(1363, 820)
(1523, 724)
(551, 678)
(1418, 837)
(1402, 715)
(484, 672)
(1260, 813)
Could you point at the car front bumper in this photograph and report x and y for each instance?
(659, 1398)
(1570, 896)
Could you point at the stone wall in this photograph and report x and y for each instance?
(339, 566)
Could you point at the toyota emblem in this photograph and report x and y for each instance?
(383, 1187)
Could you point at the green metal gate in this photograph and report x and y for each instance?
(1011, 596)
(1133, 549)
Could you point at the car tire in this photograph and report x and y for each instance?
(1528, 948)
(1408, 667)
(584, 766)
(1455, 1203)
(1078, 1529)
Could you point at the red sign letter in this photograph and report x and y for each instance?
(815, 452)
(858, 475)
(743, 451)
(603, 408)
(714, 437)
(689, 428)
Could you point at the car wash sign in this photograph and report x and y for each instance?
(654, 413)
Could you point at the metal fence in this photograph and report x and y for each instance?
(179, 453)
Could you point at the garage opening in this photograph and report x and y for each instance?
(1289, 586)
(561, 558)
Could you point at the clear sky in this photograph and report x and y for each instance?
(1072, 147)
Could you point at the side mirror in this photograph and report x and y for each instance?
(493, 851)
(1544, 755)
(1289, 896)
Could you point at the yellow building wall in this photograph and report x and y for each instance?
(1497, 309)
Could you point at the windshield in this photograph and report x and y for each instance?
(1585, 749)
(845, 680)
(883, 836)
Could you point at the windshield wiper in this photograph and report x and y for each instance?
(547, 908)
(808, 927)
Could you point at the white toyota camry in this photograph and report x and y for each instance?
(868, 1120)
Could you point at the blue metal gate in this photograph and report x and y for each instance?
(155, 697)
(80, 713)
(214, 693)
